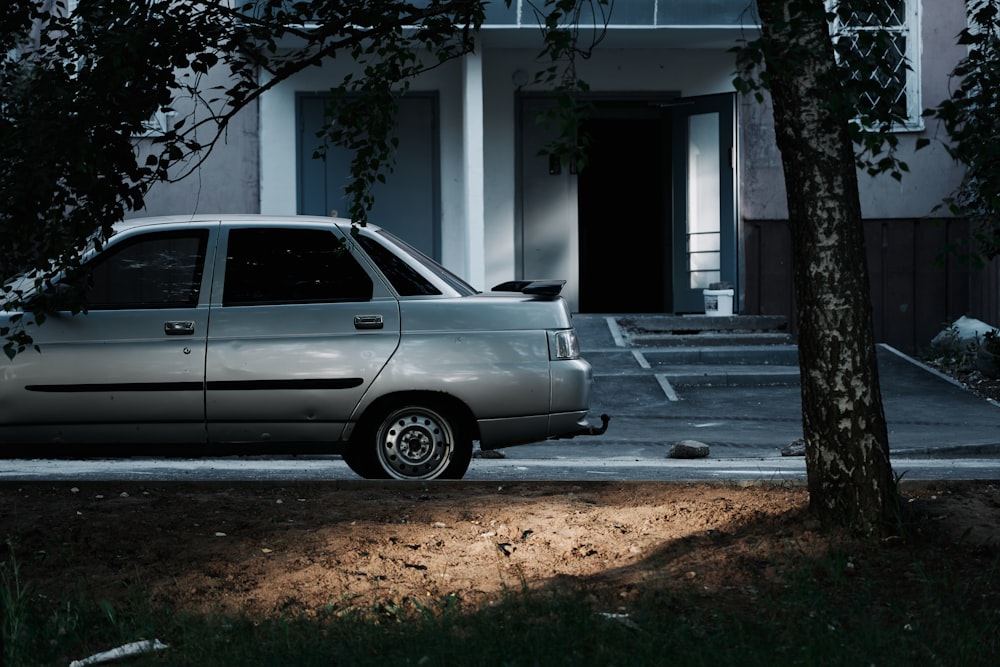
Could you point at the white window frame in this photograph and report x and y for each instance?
(910, 27)
(157, 125)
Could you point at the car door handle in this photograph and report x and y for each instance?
(178, 328)
(368, 322)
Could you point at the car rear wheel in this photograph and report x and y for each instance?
(415, 442)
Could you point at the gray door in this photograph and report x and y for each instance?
(408, 203)
(132, 368)
(297, 337)
(704, 197)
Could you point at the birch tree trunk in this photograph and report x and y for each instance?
(850, 479)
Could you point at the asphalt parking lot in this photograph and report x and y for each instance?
(746, 402)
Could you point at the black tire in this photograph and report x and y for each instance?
(411, 441)
(359, 457)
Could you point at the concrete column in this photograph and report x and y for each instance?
(473, 160)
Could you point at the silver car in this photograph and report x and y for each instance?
(297, 332)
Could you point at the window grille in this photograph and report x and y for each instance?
(898, 83)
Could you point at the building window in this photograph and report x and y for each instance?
(157, 125)
(898, 84)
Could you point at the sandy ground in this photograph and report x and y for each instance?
(267, 549)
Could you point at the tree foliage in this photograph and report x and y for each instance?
(75, 89)
(971, 118)
(78, 86)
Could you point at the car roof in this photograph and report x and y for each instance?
(134, 223)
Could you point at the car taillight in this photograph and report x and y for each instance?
(565, 345)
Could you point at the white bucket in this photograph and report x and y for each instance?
(718, 302)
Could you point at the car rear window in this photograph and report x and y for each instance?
(406, 280)
(281, 265)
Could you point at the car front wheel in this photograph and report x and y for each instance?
(412, 442)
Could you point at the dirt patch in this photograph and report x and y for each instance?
(978, 384)
(265, 549)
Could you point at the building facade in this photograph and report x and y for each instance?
(683, 187)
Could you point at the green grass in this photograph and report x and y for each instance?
(819, 614)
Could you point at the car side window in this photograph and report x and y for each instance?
(276, 266)
(159, 270)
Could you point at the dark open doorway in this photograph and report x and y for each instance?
(624, 208)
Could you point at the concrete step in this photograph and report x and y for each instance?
(707, 339)
(690, 350)
(703, 330)
(692, 324)
(712, 376)
(743, 366)
(746, 375)
(775, 355)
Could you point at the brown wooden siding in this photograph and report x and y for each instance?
(917, 288)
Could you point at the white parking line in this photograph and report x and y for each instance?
(666, 387)
(641, 359)
(616, 331)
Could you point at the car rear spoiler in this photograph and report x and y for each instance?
(548, 288)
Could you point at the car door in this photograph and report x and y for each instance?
(299, 330)
(130, 369)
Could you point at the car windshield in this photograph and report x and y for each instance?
(463, 288)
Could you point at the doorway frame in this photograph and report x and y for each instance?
(724, 104)
(521, 100)
(663, 99)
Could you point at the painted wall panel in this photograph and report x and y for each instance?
(915, 292)
(227, 182)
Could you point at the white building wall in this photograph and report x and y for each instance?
(933, 175)
(243, 175)
(486, 257)
(226, 182)
(473, 167)
(486, 254)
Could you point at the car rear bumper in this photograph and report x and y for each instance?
(507, 432)
(571, 384)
